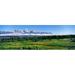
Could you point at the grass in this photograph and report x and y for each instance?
(45, 44)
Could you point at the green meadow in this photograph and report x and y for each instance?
(37, 43)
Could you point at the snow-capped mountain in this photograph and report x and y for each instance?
(24, 33)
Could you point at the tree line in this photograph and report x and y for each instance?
(35, 38)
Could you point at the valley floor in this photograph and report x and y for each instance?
(30, 44)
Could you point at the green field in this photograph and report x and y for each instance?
(34, 43)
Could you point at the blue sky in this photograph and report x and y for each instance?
(55, 29)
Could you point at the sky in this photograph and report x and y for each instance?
(55, 29)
